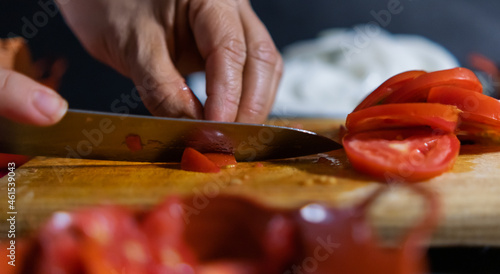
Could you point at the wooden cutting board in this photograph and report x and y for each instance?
(469, 194)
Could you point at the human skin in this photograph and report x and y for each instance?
(156, 42)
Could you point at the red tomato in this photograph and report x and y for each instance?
(436, 116)
(59, 246)
(16, 253)
(133, 142)
(479, 128)
(388, 87)
(342, 240)
(111, 241)
(5, 159)
(192, 160)
(464, 99)
(418, 89)
(222, 159)
(164, 228)
(230, 267)
(481, 113)
(403, 155)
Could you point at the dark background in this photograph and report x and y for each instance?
(462, 26)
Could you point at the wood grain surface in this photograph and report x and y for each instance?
(469, 194)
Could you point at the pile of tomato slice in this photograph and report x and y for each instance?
(408, 129)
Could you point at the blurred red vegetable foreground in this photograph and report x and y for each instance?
(229, 235)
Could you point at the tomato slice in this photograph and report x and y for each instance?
(133, 142)
(164, 227)
(403, 155)
(19, 160)
(436, 116)
(5, 159)
(343, 240)
(192, 160)
(222, 159)
(464, 99)
(111, 241)
(418, 89)
(480, 119)
(388, 87)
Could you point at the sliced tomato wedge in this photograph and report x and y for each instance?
(387, 88)
(403, 155)
(192, 160)
(437, 116)
(480, 119)
(418, 89)
(222, 159)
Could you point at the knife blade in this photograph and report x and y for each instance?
(106, 136)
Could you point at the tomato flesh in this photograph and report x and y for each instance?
(164, 226)
(192, 160)
(403, 155)
(418, 89)
(436, 116)
(388, 87)
(5, 159)
(19, 160)
(222, 159)
(133, 142)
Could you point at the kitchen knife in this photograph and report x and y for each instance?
(121, 137)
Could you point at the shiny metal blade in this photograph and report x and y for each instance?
(97, 135)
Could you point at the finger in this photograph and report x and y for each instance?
(26, 101)
(219, 36)
(262, 69)
(162, 88)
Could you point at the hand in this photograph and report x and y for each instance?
(26, 101)
(155, 42)
(22, 99)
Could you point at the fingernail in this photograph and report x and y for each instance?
(50, 104)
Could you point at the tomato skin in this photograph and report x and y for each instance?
(5, 159)
(354, 246)
(418, 89)
(466, 100)
(192, 160)
(436, 116)
(111, 241)
(404, 155)
(388, 87)
(222, 159)
(164, 227)
(59, 246)
(133, 142)
(480, 120)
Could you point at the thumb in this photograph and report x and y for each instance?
(26, 101)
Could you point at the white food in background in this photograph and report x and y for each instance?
(330, 75)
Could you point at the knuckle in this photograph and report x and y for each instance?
(264, 51)
(231, 101)
(254, 110)
(235, 50)
(279, 68)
